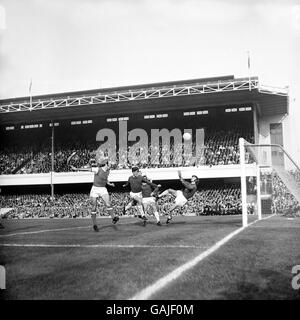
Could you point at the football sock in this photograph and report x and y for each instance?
(156, 216)
(93, 216)
(141, 211)
(110, 212)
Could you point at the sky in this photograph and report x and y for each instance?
(69, 45)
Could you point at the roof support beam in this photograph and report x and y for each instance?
(139, 94)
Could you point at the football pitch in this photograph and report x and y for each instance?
(203, 257)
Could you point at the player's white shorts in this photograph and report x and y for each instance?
(180, 199)
(149, 202)
(135, 194)
(98, 192)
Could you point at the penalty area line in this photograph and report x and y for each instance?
(52, 230)
(41, 231)
(162, 282)
(42, 245)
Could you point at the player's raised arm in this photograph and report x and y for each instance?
(90, 168)
(153, 185)
(184, 182)
(187, 184)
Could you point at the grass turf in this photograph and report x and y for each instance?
(256, 264)
(243, 268)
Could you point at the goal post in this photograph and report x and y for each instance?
(258, 185)
(250, 184)
(243, 182)
(270, 180)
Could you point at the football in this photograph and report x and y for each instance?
(187, 136)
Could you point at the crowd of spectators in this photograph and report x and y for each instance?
(13, 157)
(219, 200)
(39, 205)
(214, 201)
(220, 148)
(283, 201)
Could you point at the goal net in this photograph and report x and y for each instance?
(270, 181)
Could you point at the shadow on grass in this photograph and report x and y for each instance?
(109, 226)
(117, 227)
(267, 285)
(174, 223)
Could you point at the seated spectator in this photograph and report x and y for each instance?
(221, 148)
(215, 201)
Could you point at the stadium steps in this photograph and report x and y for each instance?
(289, 180)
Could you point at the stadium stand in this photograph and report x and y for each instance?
(221, 148)
(215, 200)
(27, 151)
(283, 201)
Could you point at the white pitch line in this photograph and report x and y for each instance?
(40, 231)
(42, 245)
(162, 282)
(51, 230)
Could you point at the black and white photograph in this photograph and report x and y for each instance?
(149, 153)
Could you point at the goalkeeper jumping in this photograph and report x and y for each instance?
(181, 196)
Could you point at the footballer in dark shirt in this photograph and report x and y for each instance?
(101, 173)
(135, 182)
(181, 196)
(148, 193)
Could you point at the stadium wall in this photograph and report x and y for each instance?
(291, 128)
(264, 128)
(204, 172)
